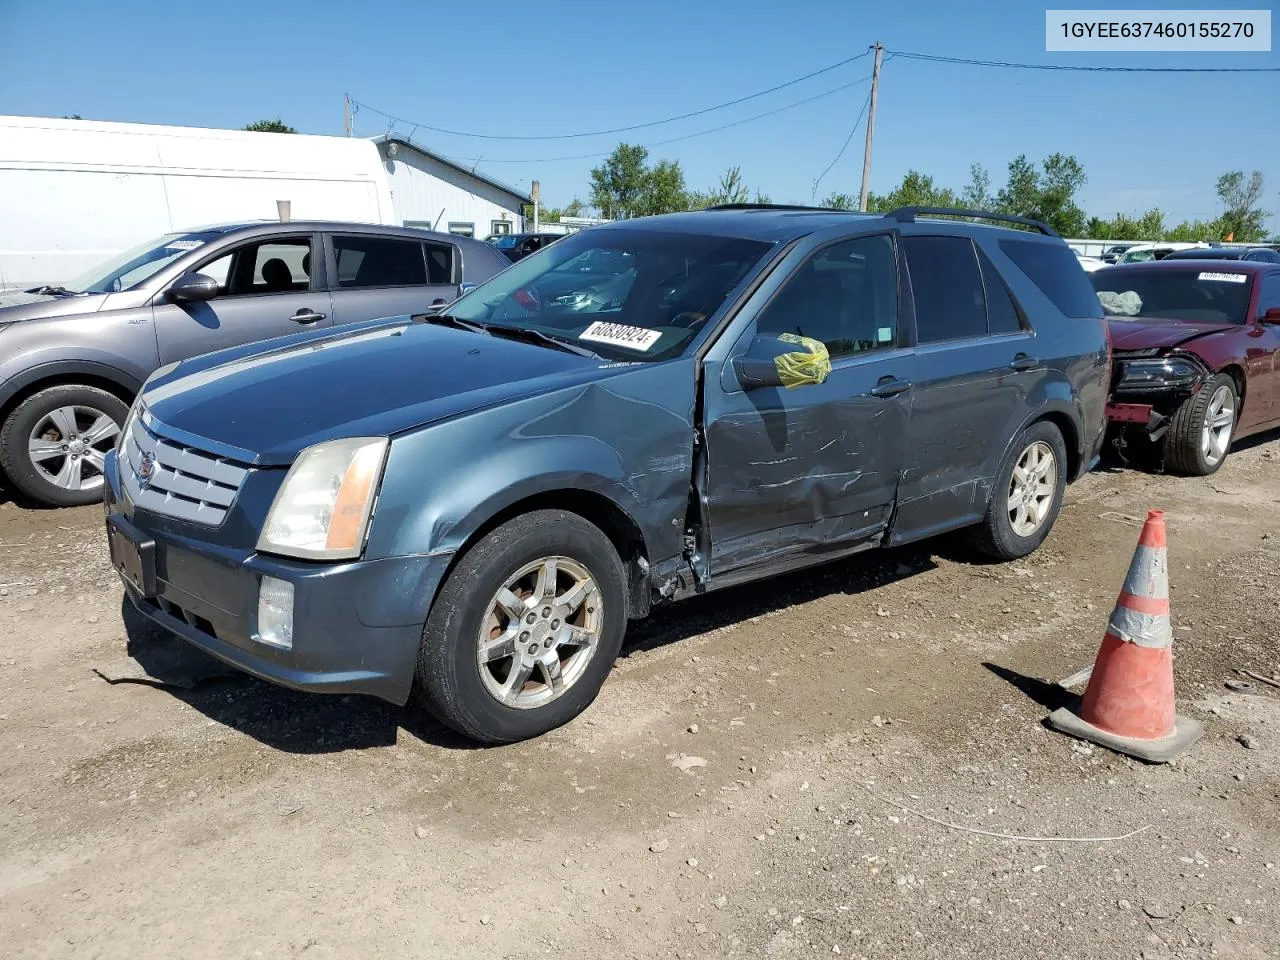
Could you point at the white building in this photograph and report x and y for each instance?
(75, 192)
(434, 193)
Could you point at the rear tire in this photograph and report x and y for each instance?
(52, 445)
(1199, 435)
(1027, 495)
(497, 676)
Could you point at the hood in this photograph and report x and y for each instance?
(1139, 333)
(19, 305)
(373, 380)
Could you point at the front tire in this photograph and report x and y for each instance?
(525, 629)
(52, 446)
(1027, 495)
(1199, 435)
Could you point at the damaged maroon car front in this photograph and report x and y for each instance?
(1196, 351)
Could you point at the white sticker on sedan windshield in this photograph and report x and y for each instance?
(621, 335)
(1225, 277)
(184, 245)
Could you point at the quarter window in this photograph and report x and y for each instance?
(946, 283)
(378, 262)
(845, 295)
(1054, 269)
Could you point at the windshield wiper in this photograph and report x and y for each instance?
(52, 290)
(528, 334)
(448, 319)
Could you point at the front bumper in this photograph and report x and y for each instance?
(357, 626)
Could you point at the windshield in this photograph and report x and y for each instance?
(624, 294)
(137, 266)
(1198, 296)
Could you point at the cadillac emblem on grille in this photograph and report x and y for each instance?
(146, 469)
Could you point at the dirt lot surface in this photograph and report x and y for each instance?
(736, 790)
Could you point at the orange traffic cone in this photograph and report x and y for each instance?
(1129, 703)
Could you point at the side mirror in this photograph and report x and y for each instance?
(193, 286)
(783, 361)
(465, 287)
(1272, 316)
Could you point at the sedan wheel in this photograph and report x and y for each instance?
(541, 632)
(1219, 418)
(1032, 488)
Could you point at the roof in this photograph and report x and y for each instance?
(773, 224)
(1186, 263)
(332, 226)
(387, 138)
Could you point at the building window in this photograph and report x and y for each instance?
(462, 229)
(500, 227)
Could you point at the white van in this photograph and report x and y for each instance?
(75, 192)
(1142, 252)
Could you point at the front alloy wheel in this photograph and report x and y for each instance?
(525, 628)
(542, 630)
(1200, 431)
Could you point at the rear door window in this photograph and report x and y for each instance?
(1002, 313)
(1053, 268)
(947, 285)
(379, 262)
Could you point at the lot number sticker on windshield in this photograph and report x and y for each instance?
(1225, 277)
(620, 335)
(183, 245)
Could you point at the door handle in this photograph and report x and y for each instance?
(890, 387)
(306, 316)
(1024, 362)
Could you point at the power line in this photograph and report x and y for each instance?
(687, 136)
(612, 130)
(1075, 67)
(848, 140)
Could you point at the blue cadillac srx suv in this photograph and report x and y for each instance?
(472, 502)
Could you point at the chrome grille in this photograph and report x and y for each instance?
(184, 482)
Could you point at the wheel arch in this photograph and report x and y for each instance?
(67, 373)
(596, 508)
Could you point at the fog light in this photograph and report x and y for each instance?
(275, 612)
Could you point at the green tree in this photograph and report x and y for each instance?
(916, 190)
(1046, 194)
(1192, 230)
(1242, 218)
(841, 201)
(977, 193)
(618, 184)
(269, 126)
(664, 190)
(574, 208)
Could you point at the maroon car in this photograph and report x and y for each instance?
(1196, 350)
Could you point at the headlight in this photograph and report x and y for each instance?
(322, 509)
(1162, 371)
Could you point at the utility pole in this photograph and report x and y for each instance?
(346, 114)
(871, 128)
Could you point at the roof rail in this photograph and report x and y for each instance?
(775, 206)
(909, 214)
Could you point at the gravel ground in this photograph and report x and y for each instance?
(756, 779)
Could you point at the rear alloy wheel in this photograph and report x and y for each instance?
(1199, 435)
(1027, 494)
(53, 446)
(525, 628)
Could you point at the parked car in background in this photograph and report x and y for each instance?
(1090, 264)
(517, 246)
(1146, 252)
(1197, 354)
(1113, 253)
(477, 500)
(1259, 254)
(72, 357)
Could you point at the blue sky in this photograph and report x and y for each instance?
(1145, 140)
